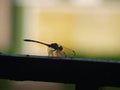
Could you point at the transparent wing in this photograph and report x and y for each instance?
(65, 52)
(68, 52)
(59, 53)
(55, 53)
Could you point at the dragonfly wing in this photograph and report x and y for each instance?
(60, 53)
(56, 53)
(65, 52)
(68, 52)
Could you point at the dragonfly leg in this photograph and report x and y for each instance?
(51, 53)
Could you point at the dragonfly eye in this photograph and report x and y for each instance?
(60, 48)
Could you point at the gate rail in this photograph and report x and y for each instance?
(87, 74)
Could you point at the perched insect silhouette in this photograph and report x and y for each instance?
(55, 49)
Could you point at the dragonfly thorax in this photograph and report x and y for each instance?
(56, 46)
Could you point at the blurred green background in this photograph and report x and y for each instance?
(90, 27)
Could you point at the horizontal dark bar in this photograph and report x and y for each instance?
(61, 70)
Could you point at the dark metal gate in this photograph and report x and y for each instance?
(87, 74)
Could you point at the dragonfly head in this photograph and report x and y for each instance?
(60, 48)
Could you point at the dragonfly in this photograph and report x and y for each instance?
(55, 50)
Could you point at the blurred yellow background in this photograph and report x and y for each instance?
(90, 27)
